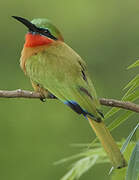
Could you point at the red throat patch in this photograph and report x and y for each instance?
(33, 40)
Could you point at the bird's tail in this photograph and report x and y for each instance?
(108, 143)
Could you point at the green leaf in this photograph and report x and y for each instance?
(86, 160)
(133, 167)
(129, 95)
(120, 120)
(137, 135)
(119, 174)
(68, 159)
(111, 112)
(80, 167)
(85, 153)
(132, 88)
(132, 97)
(135, 80)
(134, 65)
(128, 139)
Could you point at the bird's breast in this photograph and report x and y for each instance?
(34, 40)
(27, 52)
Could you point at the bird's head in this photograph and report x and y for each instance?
(40, 32)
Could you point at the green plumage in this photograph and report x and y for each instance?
(63, 73)
(46, 23)
(57, 69)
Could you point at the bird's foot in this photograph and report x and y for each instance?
(42, 98)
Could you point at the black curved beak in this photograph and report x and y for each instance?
(27, 23)
(34, 28)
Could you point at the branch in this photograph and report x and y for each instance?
(120, 104)
(103, 101)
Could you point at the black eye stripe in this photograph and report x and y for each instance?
(46, 33)
(43, 30)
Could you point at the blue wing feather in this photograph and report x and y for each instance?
(77, 108)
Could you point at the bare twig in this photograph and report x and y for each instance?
(19, 94)
(107, 102)
(121, 104)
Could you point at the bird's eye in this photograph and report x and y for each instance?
(42, 30)
(47, 31)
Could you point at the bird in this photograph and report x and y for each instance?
(56, 70)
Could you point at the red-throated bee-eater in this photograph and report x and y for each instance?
(57, 70)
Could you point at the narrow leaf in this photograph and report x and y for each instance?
(111, 112)
(120, 120)
(132, 97)
(128, 139)
(133, 81)
(134, 65)
(80, 167)
(132, 88)
(133, 167)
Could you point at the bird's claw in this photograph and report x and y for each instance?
(43, 99)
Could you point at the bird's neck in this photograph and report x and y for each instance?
(34, 40)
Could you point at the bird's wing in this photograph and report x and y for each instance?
(60, 70)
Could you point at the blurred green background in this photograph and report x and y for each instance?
(34, 135)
